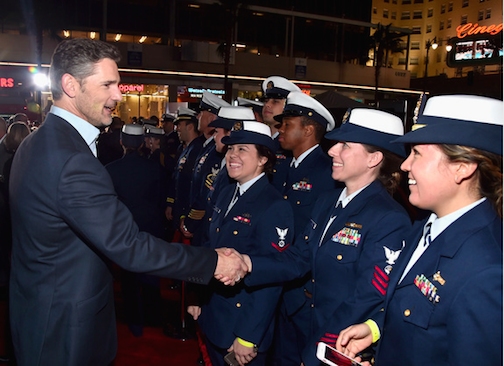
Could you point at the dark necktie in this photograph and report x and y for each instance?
(427, 234)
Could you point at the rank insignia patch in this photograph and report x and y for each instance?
(242, 219)
(281, 245)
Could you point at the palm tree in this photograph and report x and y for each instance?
(384, 42)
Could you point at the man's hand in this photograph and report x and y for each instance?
(354, 339)
(230, 265)
(246, 258)
(243, 354)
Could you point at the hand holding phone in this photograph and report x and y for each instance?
(331, 356)
(230, 359)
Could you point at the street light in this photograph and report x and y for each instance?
(430, 43)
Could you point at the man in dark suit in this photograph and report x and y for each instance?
(68, 223)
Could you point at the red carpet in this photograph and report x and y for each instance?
(153, 348)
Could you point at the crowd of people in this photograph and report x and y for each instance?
(284, 244)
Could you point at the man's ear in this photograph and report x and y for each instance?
(69, 84)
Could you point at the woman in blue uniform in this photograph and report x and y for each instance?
(252, 217)
(444, 305)
(356, 233)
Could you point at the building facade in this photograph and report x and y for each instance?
(436, 24)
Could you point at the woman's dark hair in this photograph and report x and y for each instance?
(78, 58)
(270, 164)
(489, 171)
(390, 169)
(15, 134)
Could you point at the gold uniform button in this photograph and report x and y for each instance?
(285, 197)
(298, 203)
(312, 305)
(274, 170)
(238, 305)
(407, 312)
(306, 237)
(313, 280)
(209, 219)
(217, 229)
(339, 257)
(235, 232)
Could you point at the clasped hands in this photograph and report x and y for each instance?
(231, 266)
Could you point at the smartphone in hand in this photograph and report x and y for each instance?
(331, 356)
(230, 359)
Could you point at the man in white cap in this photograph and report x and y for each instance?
(301, 127)
(141, 185)
(275, 91)
(186, 125)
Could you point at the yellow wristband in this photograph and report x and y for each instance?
(375, 331)
(245, 343)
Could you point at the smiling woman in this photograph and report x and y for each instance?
(446, 294)
(252, 217)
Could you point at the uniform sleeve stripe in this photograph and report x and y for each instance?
(378, 287)
(382, 274)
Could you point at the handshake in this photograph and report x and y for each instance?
(231, 266)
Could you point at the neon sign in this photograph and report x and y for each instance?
(124, 88)
(6, 83)
(469, 29)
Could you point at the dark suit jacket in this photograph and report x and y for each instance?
(67, 221)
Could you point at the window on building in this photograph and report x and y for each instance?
(417, 14)
(441, 25)
(418, 1)
(416, 30)
(393, 15)
(450, 6)
(430, 12)
(448, 23)
(375, 11)
(428, 29)
(413, 75)
(405, 15)
(463, 19)
(402, 61)
(415, 45)
(443, 8)
(406, 1)
(385, 13)
(394, 1)
(413, 61)
(465, 3)
(480, 15)
(403, 45)
(488, 14)
(386, 1)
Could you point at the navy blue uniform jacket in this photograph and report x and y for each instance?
(460, 323)
(68, 223)
(351, 267)
(261, 223)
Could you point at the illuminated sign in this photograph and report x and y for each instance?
(125, 88)
(6, 83)
(470, 29)
(475, 50)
